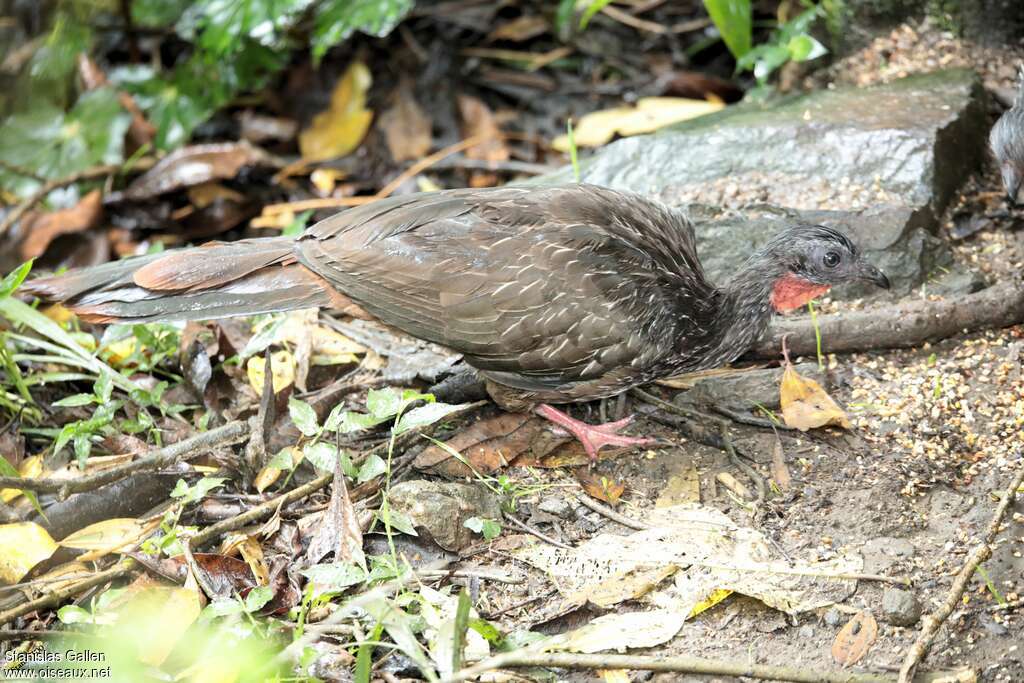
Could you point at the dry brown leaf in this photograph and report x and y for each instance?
(202, 196)
(805, 405)
(599, 486)
(855, 639)
(649, 114)
(42, 228)
(487, 445)
(407, 129)
(339, 530)
(338, 130)
(252, 553)
(519, 29)
(780, 471)
(479, 120)
(195, 165)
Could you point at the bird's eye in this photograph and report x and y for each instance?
(831, 259)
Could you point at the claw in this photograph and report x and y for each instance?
(593, 437)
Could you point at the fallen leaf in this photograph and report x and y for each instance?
(649, 114)
(108, 536)
(261, 128)
(710, 601)
(487, 445)
(202, 196)
(339, 530)
(339, 129)
(614, 675)
(779, 469)
(282, 368)
(252, 553)
(519, 29)
(805, 405)
(478, 120)
(22, 546)
(680, 488)
(630, 585)
(621, 631)
(855, 639)
(194, 165)
(407, 130)
(40, 229)
(31, 466)
(599, 486)
(154, 619)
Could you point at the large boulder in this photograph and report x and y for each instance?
(882, 162)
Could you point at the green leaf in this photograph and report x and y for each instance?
(321, 455)
(303, 416)
(191, 494)
(372, 467)
(83, 447)
(593, 8)
(158, 13)
(74, 401)
(383, 403)
(489, 528)
(461, 626)
(282, 460)
(73, 614)
(733, 20)
(258, 597)
(336, 576)
(364, 658)
(53, 144)
(13, 279)
(425, 415)
(336, 20)
(223, 26)
(52, 67)
(104, 387)
(396, 520)
(803, 48)
(486, 629)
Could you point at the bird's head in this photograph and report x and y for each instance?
(810, 259)
(1007, 142)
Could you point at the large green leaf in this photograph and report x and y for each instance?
(336, 20)
(223, 26)
(732, 18)
(53, 144)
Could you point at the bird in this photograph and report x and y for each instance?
(1007, 142)
(554, 295)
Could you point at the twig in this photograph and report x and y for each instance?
(58, 596)
(15, 214)
(27, 635)
(340, 202)
(611, 514)
(696, 665)
(931, 623)
(182, 450)
(903, 325)
(22, 171)
(530, 530)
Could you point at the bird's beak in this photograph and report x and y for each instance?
(866, 271)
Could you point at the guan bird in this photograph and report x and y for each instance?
(1007, 142)
(554, 295)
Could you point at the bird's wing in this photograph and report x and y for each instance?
(531, 283)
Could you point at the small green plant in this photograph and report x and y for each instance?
(573, 152)
(817, 334)
(790, 41)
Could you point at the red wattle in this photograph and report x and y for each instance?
(792, 291)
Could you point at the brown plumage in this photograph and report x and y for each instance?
(554, 295)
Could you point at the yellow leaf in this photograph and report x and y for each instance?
(805, 405)
(649, 114)
(108, 536)
(707, 603)
(282, 365)
(268, 475)
(614, 675)
(58, 314)
(339, 130)
(252, 553)
(22, 546)
(120, 351)
(30, 467)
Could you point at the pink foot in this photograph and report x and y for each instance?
(593, 437)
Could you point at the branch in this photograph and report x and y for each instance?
(903, 325)
(58, 596)
(981, 552)
(182, 450)
(696, 665)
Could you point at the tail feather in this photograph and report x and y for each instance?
(215, 281)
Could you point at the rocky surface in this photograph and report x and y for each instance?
(883, 161)
(440, 509)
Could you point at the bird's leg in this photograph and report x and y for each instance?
(593, 437)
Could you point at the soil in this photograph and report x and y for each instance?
(936, 432)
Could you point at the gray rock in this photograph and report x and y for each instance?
(745, 391)
(557, 506)
(440, 509)
(900, 607)
(834, 617)
(884, 160)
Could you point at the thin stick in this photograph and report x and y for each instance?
(611, 514)
(93, 173)
(58, 596)
(696, 665)
(931, 623)
(339, 202)
(530, 530)
(182, 450)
